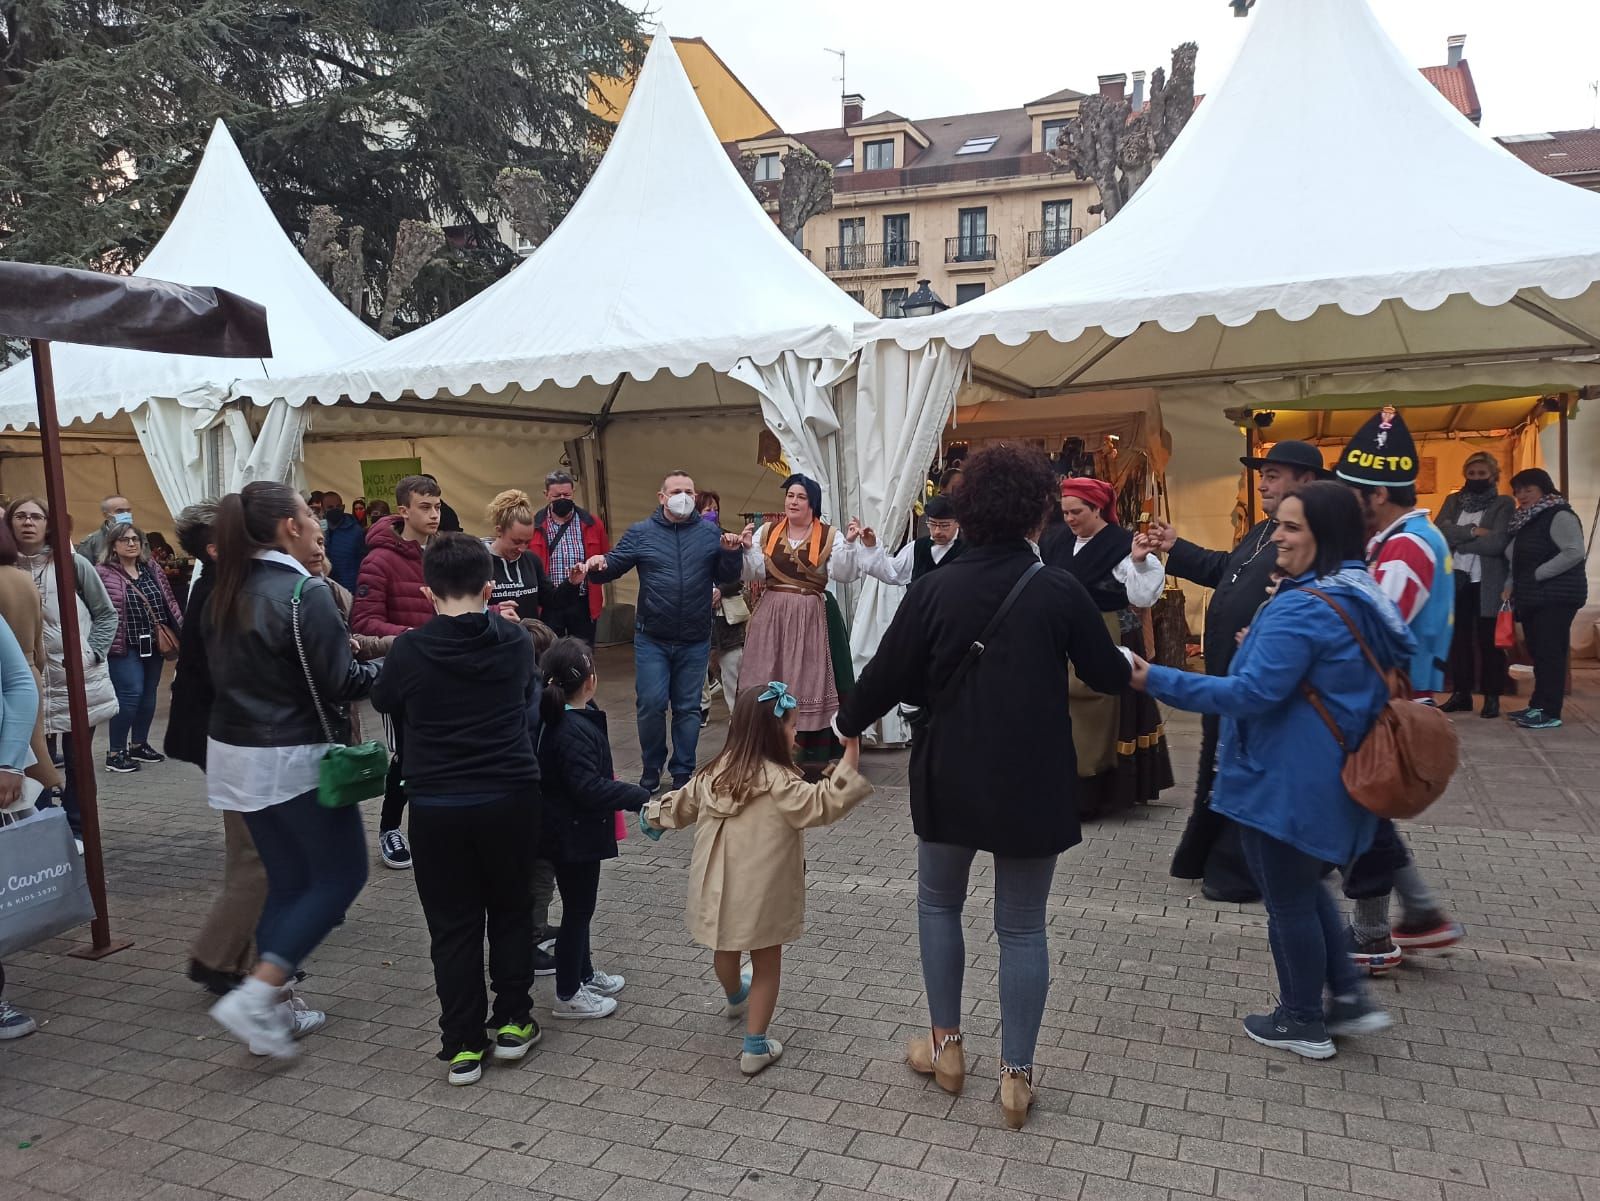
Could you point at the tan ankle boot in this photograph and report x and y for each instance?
(1016, 1095)
(946, 1062)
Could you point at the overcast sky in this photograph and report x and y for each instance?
(1533, 60)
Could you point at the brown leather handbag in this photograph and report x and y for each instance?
(1405, 762)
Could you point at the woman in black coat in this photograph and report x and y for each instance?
(992, 766)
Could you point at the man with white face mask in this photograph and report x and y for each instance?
(680, 559)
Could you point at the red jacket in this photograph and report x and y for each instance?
(389, 596)
(595, 543)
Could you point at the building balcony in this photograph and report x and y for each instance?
(971, 250)
(1047, 243)
(872, 256)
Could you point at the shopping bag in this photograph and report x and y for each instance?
(621, 824)
(43, 888)
(1505, 629)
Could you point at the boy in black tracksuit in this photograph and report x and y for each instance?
(463, 691)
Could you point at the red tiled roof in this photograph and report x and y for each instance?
(1566, 152)
(1455, 84)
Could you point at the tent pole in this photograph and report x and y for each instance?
(1561, 427)
(1249, 475)
(82, 759)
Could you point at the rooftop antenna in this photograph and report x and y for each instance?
(1594, 87)
(843, 91)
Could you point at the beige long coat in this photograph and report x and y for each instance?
(747, 880)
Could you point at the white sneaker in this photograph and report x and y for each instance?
(604, 985)
(583, 1004)
(256, 1017)
(303, 1019)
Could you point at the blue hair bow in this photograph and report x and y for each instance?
(778, 691)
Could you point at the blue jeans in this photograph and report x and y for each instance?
(669, 673)
(316, 861)
(135, 681)
(1021, 888)
(1303, 925)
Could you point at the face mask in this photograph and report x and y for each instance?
(1480, 486)
(711, 515)
(122, 519)
(680, 504)
(322, 524)
(336, 511)
(563, 507)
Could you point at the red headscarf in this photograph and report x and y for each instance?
(1095, 493)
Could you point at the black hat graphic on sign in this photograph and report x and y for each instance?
(1381, 455)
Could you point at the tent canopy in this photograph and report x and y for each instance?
(665, 275)
(1325, 215)
(225, 236)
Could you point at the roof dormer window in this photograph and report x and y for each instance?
(879, 155)
(979, 145)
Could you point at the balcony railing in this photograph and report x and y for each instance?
(971, 248)
(1043, 243)
(872, 256)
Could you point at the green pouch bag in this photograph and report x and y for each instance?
(347, 775)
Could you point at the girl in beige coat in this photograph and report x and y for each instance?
(747, 880)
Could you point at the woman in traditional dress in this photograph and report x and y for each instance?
(797, 633)
(1122, 749)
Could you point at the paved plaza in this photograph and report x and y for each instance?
(1487, 1087)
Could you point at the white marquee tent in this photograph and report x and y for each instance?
(659, 324)
(190, 441)
(1326, 226)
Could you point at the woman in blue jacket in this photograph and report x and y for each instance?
(1278, 764)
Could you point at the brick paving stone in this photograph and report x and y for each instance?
(1488, 1086)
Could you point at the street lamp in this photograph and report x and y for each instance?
(922, 303)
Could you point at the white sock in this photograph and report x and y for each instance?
(260, 991)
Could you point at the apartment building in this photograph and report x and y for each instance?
(967, 201)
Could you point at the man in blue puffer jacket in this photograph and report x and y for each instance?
(679, 559)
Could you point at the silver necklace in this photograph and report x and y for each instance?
(1261, 545)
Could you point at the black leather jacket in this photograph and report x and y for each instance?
(262, 698)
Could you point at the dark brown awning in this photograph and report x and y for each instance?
(63, 304)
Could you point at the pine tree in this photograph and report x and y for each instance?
(382, 111)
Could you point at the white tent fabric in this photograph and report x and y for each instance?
(799, 410)
(223, 235)
(667, 263)
(1243, 257)
(891, 424)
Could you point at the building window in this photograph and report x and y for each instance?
(973, 229)
(768, 168)
(1051, 134)
(856, 294)
(893, 298)
(979, 145)
(852, 243)
(966, 292)
(1056, 233)
(879, 155)
(897, 240)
